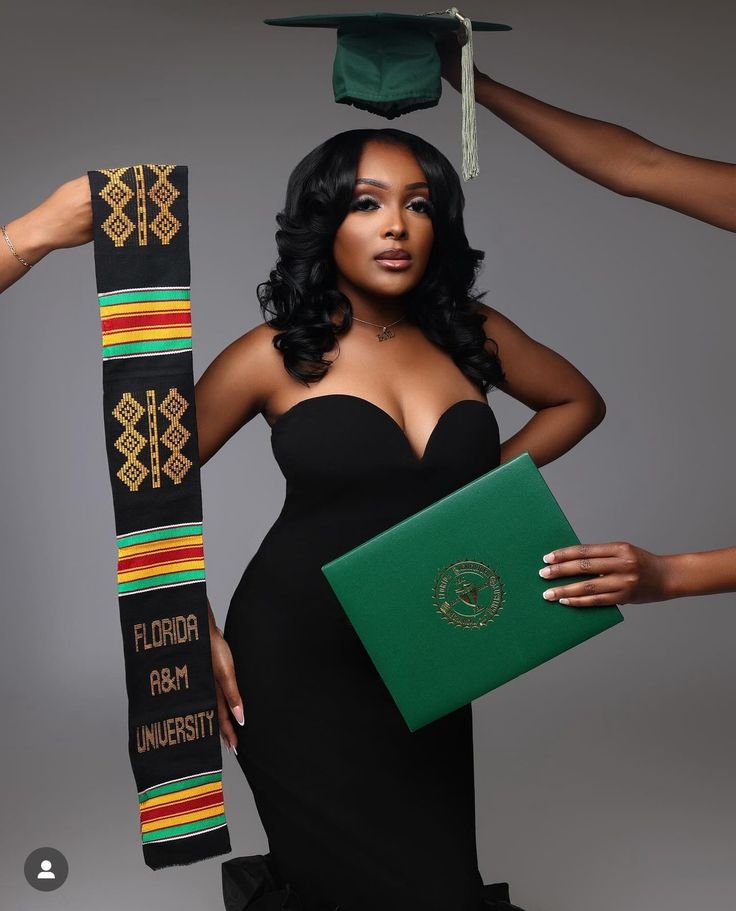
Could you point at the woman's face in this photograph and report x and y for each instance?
(390, 210)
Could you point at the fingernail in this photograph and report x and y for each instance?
(238, 712)
(235, 751)
(548, 558)
(227, 746)
(545, 571)
(549, 595)
(564, 601)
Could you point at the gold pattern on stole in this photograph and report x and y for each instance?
(130, 442)
(117, 194)
(140, 204)
(175, 435)
(164, 193)
(153, 437)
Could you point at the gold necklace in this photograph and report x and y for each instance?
(385, 330)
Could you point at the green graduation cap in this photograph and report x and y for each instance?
(388, 63)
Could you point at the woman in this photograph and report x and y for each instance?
(629, 165)
(371, 368)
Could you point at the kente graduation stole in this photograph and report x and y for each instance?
(141, 244)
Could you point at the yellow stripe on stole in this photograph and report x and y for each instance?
(145, 572)
(130, 309)
(181, 795)
(167, 821)
(161, 544)
(119, 337)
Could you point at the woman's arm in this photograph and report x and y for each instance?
(632, 575)
(64, 219)
(229, 701)
(19, 234)
(611, 155)
(234, 388)
(567, 406)
(231, 391)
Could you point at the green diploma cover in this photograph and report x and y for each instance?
(448, 603)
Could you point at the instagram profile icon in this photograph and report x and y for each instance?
(46, 869)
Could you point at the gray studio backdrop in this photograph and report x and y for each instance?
(605, 778)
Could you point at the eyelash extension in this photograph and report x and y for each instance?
(356, 205)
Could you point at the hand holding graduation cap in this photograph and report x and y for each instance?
(449, 50)
(389, 63)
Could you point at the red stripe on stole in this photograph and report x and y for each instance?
(147, 320)
(171, 555)
(184, 806)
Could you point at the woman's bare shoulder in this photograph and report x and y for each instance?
(252, 354)
(236, 386)
(495, 324)
(256, 341)
(489, 313)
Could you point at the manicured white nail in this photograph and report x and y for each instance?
(235, 751)
(549, 595)
(564, 601)
(545, 571)
(548, 558)
(238, 712)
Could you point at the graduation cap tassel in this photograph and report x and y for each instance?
(469, 129)
(470, 133)
(389, 63)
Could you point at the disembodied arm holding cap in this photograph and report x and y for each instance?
(630, 165)
(608, 154)
(64, 219)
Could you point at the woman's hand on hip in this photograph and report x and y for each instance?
(229, 703)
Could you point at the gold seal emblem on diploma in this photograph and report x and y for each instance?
(468, 594)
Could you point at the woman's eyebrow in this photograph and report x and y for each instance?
(385, 186)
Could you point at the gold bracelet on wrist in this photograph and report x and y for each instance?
(12, 249)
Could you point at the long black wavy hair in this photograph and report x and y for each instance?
(300, 296)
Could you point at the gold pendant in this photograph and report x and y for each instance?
(385, 333)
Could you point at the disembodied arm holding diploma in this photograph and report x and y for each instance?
(632, 575)
(630, 165)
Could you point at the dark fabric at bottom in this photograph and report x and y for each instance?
(252, 884)
(188, 850)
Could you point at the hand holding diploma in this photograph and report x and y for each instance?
(631, 575)
(630, 165)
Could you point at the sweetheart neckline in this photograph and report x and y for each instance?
(346, 395)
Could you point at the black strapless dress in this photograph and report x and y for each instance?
(360, 813)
